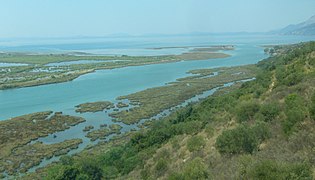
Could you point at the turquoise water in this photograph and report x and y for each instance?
(109, 84)
(11, 64)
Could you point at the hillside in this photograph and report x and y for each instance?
(304, 28)
(262, 129)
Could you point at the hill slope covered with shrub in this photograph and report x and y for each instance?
(262, 129)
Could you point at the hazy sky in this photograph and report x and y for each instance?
(59, 18)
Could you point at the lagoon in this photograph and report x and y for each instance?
(109, 84)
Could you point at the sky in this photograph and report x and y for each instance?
(67, 18)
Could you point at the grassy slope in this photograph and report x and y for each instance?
(287, 151)
(262, 130)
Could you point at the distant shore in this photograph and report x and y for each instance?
(38, 73)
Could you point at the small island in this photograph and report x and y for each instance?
(121, 105)
(94, 107)
(103, 132)
(88, 128)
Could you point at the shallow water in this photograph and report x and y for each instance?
(11, 64)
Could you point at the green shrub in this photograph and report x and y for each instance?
(69, 173)
(66, 160)
(246, 111)
(243, 139)
(261, 131)
(195, 143)
(238, 140)
(312, 107)
(294, 116)
(110, 172)
(270, 111)
(161, 167)
(189, 127)
(92, 169)
(268, 169)
(175, 142)
(176, 176)
(209, 130)
(194, 169)
(295, 112)
(145, 173)
(294, 101)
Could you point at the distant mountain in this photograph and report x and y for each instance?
(304, 28)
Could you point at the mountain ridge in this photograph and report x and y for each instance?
(304, 28)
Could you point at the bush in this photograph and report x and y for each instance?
(261, 131)
(243, 139)
(195, 143)
(293, 101)
(209, 130)
(189, 127)
(66, 160)
(294, 116)
(161, 167)
(295, 112)
(269, 111)
(92, 169)
(238, 140)
(69, 173)
(194, 169)
(269, 169)
(145, 173)
(246, 111)
(312, 107)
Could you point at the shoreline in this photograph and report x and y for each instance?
(75, 71)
